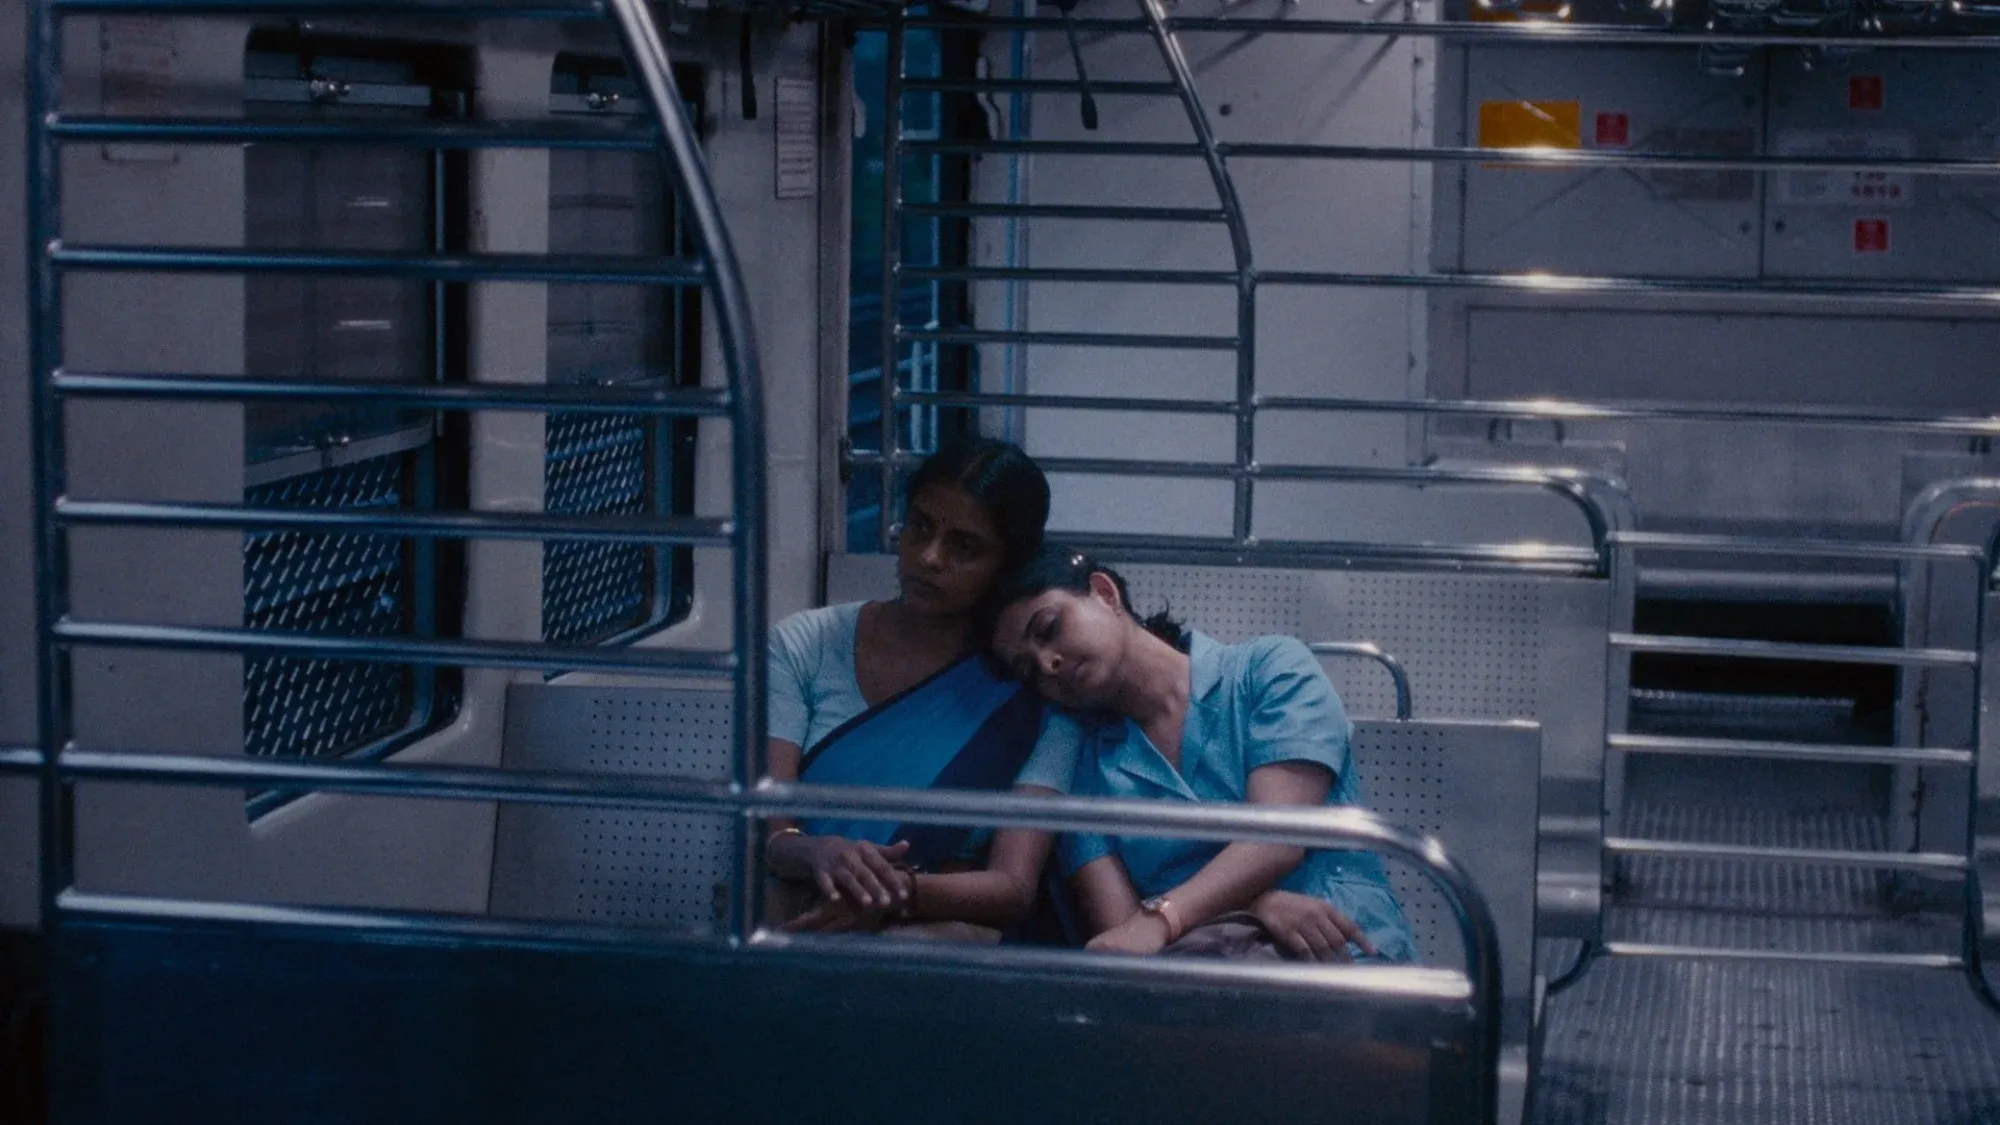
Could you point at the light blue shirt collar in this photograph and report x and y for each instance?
(1133, 754)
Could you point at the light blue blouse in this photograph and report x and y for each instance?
(1250, 705)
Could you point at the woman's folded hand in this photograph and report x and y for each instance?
(1308, 928)
(864, 873)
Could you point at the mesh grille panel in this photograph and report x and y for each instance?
(597, 465)
(351, 585)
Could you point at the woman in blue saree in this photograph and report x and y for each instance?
(897, 694)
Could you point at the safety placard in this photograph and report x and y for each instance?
(1530, 124)
(1871, 236)
(1852, 187)
(1867, 92)
(1614, 130)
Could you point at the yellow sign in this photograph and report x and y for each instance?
(1530, 124)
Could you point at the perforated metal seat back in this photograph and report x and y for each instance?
(620, 867)
(1472, 785)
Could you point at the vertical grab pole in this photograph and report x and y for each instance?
(1246, 272)
(1974, 938)
(731, 301)
(44, 166)
(892, 253)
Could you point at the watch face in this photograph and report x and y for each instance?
(1153, 905)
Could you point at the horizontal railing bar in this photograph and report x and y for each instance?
(1498, 475)
(1065, 211)
(1602, 158)
(20, 759)
(1885, 861)
(391, 650)
(1068, 339)
(1298, 825)
(1859, 960)
(1220, 550)
(577, 268)
(1036, 86)
(1559, 410)
(690, 530)
(1524, 33)
(1799, 548)
(1065, 275)
(1795, 751)
(1584, 285)
(1545, 157)
(1786, 650)
(540, 397)
(467, 783)
(628, 134)
(1447, 987)
(985, 399)
(1052, 148)
(431, 9)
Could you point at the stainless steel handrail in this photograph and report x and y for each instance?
(1447, 154)
(1239, 246)
(1368, 650)
(1605, 502)
(1538, 34)
(1937, 502)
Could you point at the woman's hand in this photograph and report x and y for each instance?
(837, 916)
(856, 871)
(1307, 927)
(1143, 933)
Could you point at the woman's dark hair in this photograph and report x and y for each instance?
(1003, 479)
(1056, 567)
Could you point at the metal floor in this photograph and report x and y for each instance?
(1640, 1042)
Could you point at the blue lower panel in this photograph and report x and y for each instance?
(173, 1024)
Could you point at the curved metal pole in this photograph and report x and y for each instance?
(731, 302)
(1246, 270)
(1368, 650)
(1585, 957)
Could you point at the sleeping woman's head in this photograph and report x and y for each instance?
(1066, 625)
(975, 510)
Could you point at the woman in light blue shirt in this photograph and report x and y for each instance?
(1173, 715)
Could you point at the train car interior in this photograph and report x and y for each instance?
(416, 416)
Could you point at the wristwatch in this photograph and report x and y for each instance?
(1162, 907)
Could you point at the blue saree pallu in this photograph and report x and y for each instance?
(963, 728)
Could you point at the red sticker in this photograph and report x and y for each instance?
(1871, 236)
(1614, 130)
(1866, 91)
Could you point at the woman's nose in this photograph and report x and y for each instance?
(932, 555)
(1051, 663)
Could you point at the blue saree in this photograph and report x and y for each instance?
(962, 728)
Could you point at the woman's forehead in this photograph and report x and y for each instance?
(950, 503)
(1015, 619)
